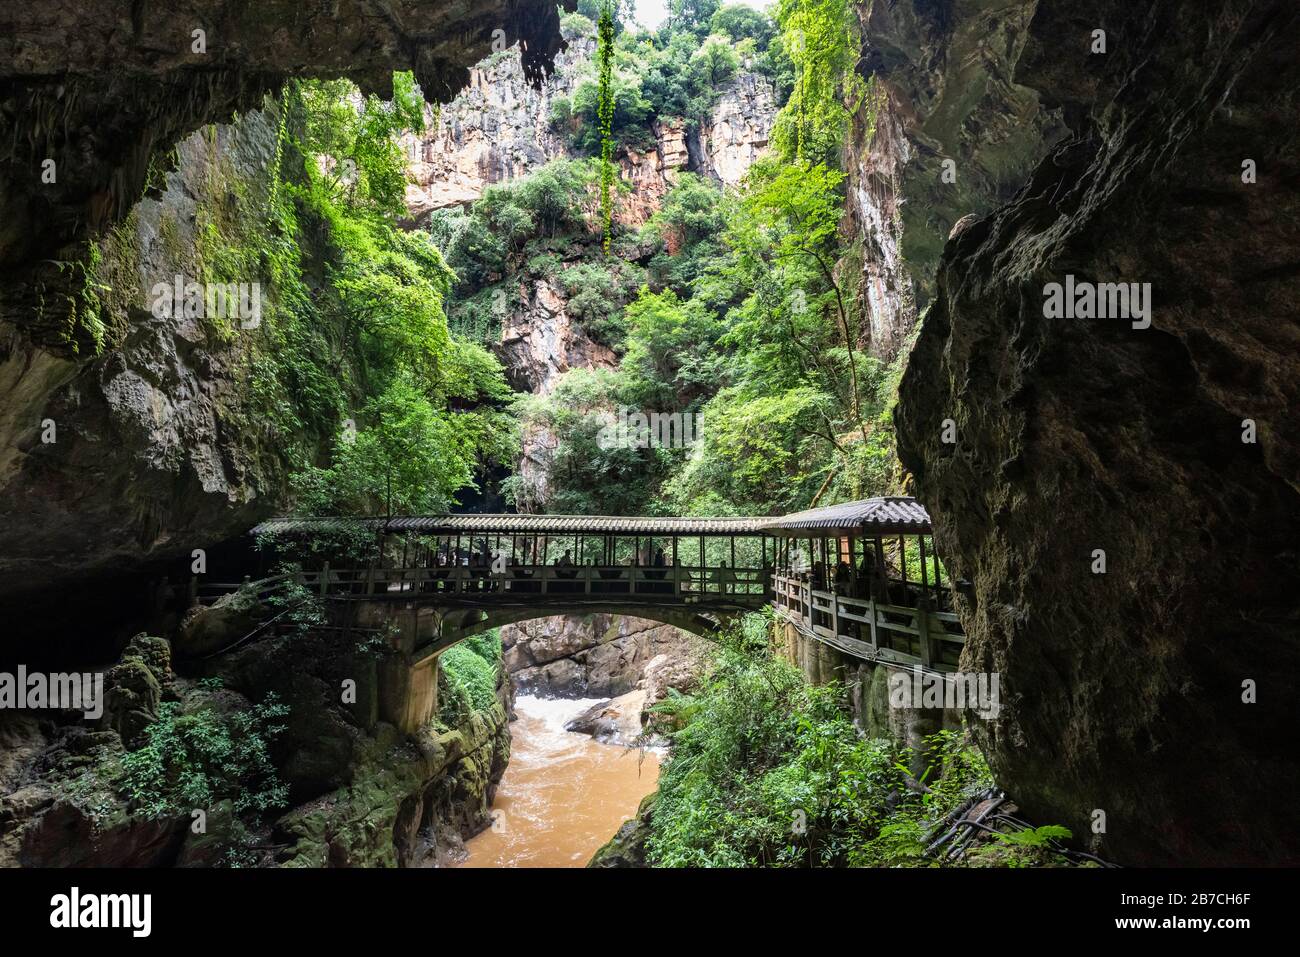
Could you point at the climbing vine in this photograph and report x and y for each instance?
(605, 39)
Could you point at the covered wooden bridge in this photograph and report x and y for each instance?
(862, 576)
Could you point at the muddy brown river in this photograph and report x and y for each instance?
(563, 795)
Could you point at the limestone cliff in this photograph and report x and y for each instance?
(943, 131)
(499, 128)
(149, 457)
(1155, 690)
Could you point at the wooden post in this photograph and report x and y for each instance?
(324, 577)
(938, 571)
(923, 629)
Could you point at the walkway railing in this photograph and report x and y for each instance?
(913, 632)
(675, 583)
(865, 628)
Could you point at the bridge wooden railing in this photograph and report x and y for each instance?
(684, 583)
(907, 631)
(912, 634)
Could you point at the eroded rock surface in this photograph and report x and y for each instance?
(151, 458)
(944, 130)
(103, 90)
(599, 656)
(1123, 691)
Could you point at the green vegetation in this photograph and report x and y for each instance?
(740, 313)
(469, 677)
(605, 113)
(198, 759)
(371, 379)
(357, 386)
(767, 770)
(822, 41)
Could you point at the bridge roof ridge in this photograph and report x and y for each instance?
(505, 523)
(880, 514)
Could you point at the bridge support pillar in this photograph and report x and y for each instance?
(408, 675)
(867, 686)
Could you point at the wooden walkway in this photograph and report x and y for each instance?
(911, 634)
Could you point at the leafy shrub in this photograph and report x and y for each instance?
(574, 25)
(769, 771)
(199, 759)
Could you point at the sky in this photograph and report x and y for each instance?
(652, 13)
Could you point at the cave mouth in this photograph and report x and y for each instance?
(1114, 496)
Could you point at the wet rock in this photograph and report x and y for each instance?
(627, 848)
(134, 687)
(616, 721)
(599, 655)
(410, 802)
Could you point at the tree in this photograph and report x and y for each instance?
(691, 15)
(739, 22)
(713, 64)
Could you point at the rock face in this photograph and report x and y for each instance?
(411, 802)
(1130, 691)
(540, 342)
(58, 803)
(148, 461)
(145, 460)
(498, 128)
(737, 130)
(599, 656)
(102, 91)
(943, 131)
(361, 793)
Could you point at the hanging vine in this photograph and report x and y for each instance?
(605, 39)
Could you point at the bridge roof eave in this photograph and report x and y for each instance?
(883, 515)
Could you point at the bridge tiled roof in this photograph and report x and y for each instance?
(886, 514)
(505, 524)
(883, 515)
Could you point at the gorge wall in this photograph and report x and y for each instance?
(1157, 692)
(500, 129)
(944, 131)
(93, 98)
